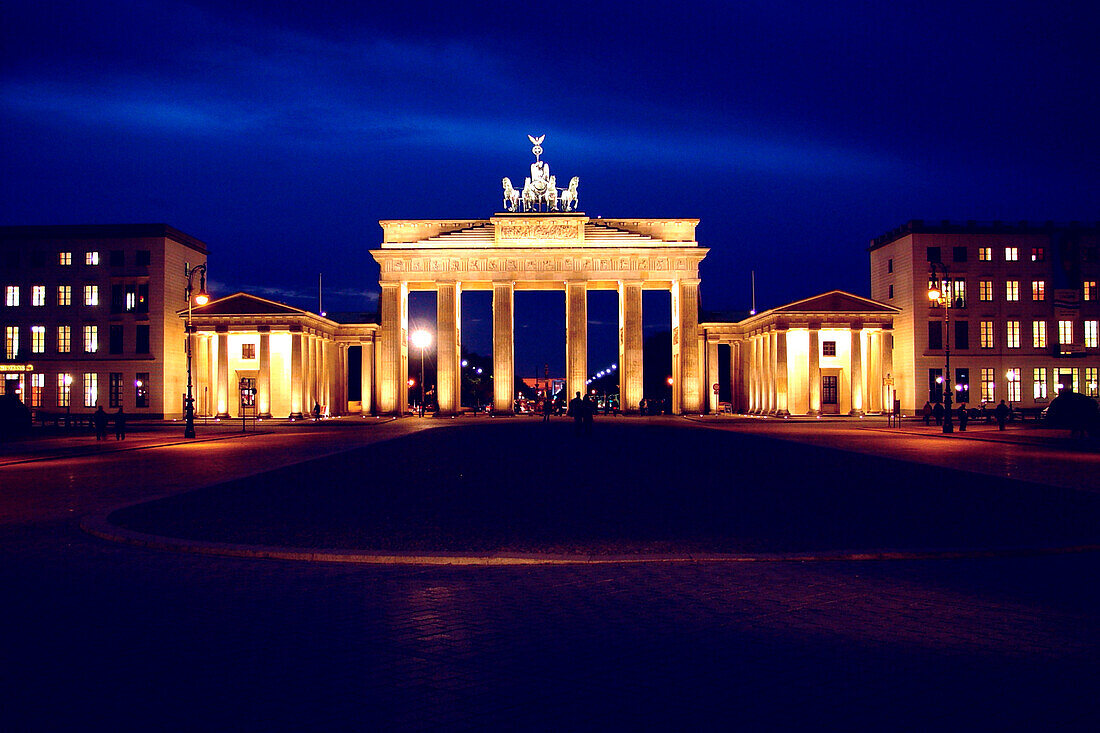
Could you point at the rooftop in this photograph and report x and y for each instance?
(945, 226)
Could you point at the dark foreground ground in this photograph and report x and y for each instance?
(99, 636)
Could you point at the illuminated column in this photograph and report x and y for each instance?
(576, 337)
(503, 349)
(888, 367)
(686, 370)
(753, 372)
(874, 369)
(712, 374)
(630, 346)
(307, 374)
(366, 374)
(223, 371)
(448, 379)
(342, 377)
(263, 384)
(202, 376)
(296, 384)
(814, 371)
(737, 387)
(781, 376)
(857, 371)
(317, 366)
(392, 348)
(766, 403)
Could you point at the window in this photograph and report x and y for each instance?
(1039, 334)
(1013, 335)
(1090, 289)
(63, 334)
(1065, 333)
(141, 390)
(38, 295)
(142, 342)
(890, 265)
(828, 348)
(64, 294)
(38, 383)
(1090, 334)
(1039, 383)
(933, 254)
(989, 385)
(91, 389)
(935, 336)
(1012, 254)
(958, 254)
(114, 390)
(248, 351)
(986, 334)
(91, 295)
(38, 339)
(115, 336)
(91, 257)
(958, 293)
(1038, 254)
(91, 339)
(118, 258)
(1066, 377)
(985, 290)
(131, 298)
(962, 334)
(116, 298)
(64, 258)
(143, 258)
(1038, 290)
(11, 342)
(985, 254)
(1012, 290)
(935, 385)
(64, 384)
(891, 292)
(11, 296)
(1012, 376)
(1092, 388)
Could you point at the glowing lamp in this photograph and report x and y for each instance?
(202, 298)
(421, 339)
(933, 293)
(412, 382)
(669, 380)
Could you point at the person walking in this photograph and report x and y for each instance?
(937, 412)
(100, 421)
(576, 411)
(547, 408)
(120, 424)
(927, 412)
(964, 417)
(1001, 413)
(316, 411)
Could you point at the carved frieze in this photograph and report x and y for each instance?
(447, 267)
(539, 229)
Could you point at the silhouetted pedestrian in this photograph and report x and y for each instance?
(576, 411)
(100, 420)
(590, 407)
(642, 407)
(964, 417)
(316, 411)
(937, 412)
(547, 408)
(120, 425)
(927, 412)
(1001, 413)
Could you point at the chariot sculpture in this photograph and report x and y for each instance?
(540, 189)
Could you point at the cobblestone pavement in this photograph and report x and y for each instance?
(105, 636)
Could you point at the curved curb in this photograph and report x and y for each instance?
(98, 526)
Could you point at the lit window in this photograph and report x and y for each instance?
(1012, 290)
(986, 334)
(38, 295)
(11, 342)
(1013, 378)
(91, 295)
(38, 339)
(985, 254)
(1090, 289)
(1090, 334)
(64, 384)
(1065, 332)
(248, 351)
(91, 389)
(64, 258)
(1039, 334)
(1092, 389)
(1013, 335)
(958, 293)
(91, 257)
(1038, 290)
(63, 336)
(1038, 254)
(985, 290)
(64, 294)
(11, 296)
(989, 385)
(38, 382)
(131, 298)
(1012, 254)
(91, 339)
(1067, 377)
(1039, 383)
(828, 348)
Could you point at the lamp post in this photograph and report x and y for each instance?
(421, 339)
(202, 297)
(937, 292)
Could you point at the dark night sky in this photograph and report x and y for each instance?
(281, 132)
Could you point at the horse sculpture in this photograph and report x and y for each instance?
(534, 199)
(511, 196)
(569, 195)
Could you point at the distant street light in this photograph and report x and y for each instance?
(421, 339)
(938, 292)
(199, 298)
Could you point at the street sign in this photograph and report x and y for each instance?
(715, 388)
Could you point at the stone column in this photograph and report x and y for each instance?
(752, 373)
(856, 357)
(631, 384)
(393, 349)
(874, 372)
(576, 337)
(448, 388)
(688, 372)
(737, 394)
(296, 383)
(223, 372)
(503, 348)
(263, 383)
(366, 376)
(712, 374)
(767, 401)
(781, 376)
(307, 374)
(814, 371)
(888, 366)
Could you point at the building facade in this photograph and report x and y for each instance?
(89, 316)
(1019, 310)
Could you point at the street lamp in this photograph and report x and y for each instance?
(938, 292)
(199, 298)
(421, 339)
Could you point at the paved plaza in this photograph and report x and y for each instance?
(109, 635)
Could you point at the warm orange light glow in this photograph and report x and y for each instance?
(933, 293)
(412, 382)
(669, 381)
(421, 339)
(202, 299)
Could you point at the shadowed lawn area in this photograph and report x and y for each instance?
(628, 488)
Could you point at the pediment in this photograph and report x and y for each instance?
(243, 304)
(836, 301)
